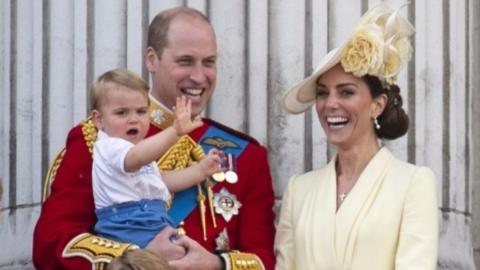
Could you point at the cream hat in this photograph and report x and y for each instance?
(378, 46)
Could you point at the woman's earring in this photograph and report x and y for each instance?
(375, 122)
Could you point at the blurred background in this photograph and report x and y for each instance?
(51, 50)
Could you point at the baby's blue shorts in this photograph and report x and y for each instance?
(135, 222)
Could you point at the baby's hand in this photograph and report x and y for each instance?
(183, 123)
(211, 163)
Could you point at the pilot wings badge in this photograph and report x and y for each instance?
(219, 142)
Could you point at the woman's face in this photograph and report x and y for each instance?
(345, 108)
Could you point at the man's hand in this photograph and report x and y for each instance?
(162, 245)
(197, 257)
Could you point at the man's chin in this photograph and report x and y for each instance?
(197, 110)
(197, 115)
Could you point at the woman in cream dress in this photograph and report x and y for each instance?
(366, 210)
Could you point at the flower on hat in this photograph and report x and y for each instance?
(363, 54)
(379, 46)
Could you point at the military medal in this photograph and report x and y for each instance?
(226, 204)
(230, 175)
(228, 164)
(219, 177)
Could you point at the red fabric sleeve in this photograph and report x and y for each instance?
(255, 232)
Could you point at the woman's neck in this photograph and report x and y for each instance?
(352, 161)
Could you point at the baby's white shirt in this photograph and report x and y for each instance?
(112, 184)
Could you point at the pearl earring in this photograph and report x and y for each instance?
(375, 122)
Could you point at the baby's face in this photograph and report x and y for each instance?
(124, 114)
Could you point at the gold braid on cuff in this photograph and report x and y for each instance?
(241, 261)
(96, 249)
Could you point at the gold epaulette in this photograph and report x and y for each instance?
(236, 260)
(98, 250)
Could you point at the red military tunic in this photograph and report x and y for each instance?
(68, 212)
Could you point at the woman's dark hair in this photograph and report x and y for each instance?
(393, 120)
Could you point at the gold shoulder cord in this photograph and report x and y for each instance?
(182, 155)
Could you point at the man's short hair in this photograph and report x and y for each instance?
(158, 29)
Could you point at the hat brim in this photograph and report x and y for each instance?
(302, 95)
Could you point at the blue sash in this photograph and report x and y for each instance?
(185, 201)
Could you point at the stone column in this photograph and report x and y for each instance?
(475, 116)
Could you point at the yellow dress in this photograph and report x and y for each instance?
(389, 220)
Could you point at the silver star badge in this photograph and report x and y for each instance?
(226, 204)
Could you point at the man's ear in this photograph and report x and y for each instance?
(97, 119)
(151, 59)
(378, 104)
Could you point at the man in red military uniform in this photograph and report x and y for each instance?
(232, 216)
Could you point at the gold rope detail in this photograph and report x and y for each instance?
(89, 133)
(52, 173)
(181, 155)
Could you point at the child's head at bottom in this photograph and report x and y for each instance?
(138, 259)
(120, 105)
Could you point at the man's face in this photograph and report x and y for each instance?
(187, 65)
